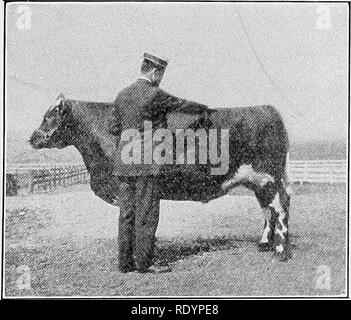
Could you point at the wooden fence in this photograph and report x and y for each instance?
(317, 171)
(33, 178)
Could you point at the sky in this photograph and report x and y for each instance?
(297, 60)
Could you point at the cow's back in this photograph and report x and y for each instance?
(257, 135)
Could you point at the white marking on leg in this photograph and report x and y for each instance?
(279, 248)
(267, 216)
(289, 190)
(246, 173)
(276, 205)
(265, 180)
(266, 231)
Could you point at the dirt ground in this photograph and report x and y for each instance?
(67, 243)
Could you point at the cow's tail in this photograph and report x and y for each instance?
(286, 179)
(284, 175)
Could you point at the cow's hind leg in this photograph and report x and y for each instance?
(265, 195)
(267, 239)
(280, 207)
(275, 202)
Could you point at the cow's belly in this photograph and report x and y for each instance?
(189, 186)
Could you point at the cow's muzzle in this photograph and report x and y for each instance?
(38, 139)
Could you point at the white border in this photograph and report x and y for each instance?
(177, 298)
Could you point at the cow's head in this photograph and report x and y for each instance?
(55, 129)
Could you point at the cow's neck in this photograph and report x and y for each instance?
(92, 139)
(93, 156)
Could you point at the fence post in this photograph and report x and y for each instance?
(331, 175)
(305, 172)
(64, 172)
(24, 181)
(32, 174)
(288, 172)
(55, 175)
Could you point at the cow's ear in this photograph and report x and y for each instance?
(60, 100)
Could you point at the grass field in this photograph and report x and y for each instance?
(68, 240)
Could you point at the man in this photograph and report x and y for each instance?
(139, 195)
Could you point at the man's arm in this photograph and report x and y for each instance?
(161, 104)
(165, 103)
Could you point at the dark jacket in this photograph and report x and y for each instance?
(139, 102)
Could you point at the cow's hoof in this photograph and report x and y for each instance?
(264, 247)
(281, 256)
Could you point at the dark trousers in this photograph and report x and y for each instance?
(138, 220)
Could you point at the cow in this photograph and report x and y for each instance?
(258, 147)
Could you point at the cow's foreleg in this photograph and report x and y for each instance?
(279, 207)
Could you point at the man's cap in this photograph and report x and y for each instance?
(158, 61)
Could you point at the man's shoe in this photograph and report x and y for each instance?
(155, 269)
